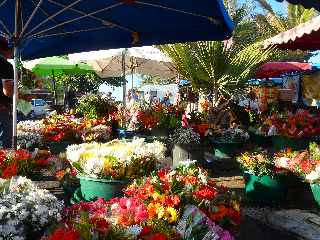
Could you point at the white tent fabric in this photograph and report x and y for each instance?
(139, 60)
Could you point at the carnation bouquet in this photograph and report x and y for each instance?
(118, 159)
(30, 134)
(25, 209)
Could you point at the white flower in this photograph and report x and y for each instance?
(313, 176)
(282, 162)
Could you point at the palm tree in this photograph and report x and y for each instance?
(220, 68)
(275, 23)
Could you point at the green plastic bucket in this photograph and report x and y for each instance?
(92, 188)
(265, 190)
(296, 144)
(315, 188)
(260, 140)
(58, 147)
(227, 150)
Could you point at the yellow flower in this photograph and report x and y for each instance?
(161, 212)
(156, 196)
(172, 214)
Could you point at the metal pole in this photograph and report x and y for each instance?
(124, 87)
(16, 72)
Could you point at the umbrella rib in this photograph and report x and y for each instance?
(76, 19)
(3, 2)
(93, 17)
(31, 17)
(70, 32)
(5, 28)
(45, 13)
(54, 15)
(215, 21)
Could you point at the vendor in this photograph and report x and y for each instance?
(6, 91)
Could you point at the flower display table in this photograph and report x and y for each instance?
(281, 143)
(181, 152)
(316, 192)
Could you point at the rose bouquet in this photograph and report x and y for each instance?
(20, 162)
(117, 159)
(25, 209)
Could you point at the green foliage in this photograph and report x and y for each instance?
(94, 106)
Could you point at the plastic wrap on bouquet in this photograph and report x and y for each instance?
(194, 224)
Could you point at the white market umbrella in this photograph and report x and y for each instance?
(139, 60)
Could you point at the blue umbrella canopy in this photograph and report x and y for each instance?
(42, 28)
(306, 3)
(55, 27)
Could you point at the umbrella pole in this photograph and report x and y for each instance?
(16, 52)
(54, 89)
(124, 88)
(15, 98)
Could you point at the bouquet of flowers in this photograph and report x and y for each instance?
(100, 133)
(166, 193)
(233, 135)
(300, 124)
(19, 162)
(30, 134)
(25, 209)
(167, 205)
(117, 159)
(259, 163)
(185, 136)
(305, 164)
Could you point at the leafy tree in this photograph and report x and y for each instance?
(221, 68)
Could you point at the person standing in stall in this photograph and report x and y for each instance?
(6, 91)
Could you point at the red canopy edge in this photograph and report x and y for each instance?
(276, 69)
(305, 36)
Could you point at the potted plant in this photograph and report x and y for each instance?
(264, 184)
(229, 142)
(306, 165)
(186, 145)
(104, 169)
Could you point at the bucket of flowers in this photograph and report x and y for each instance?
(293, 131)
(265, 183)
(26, 211)
(304, 164)
(186, 145)
(168, 205)
(105, 168)
(20, 162)
(229, 142)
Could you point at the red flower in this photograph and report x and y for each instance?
(10, 171)
(157, 236)
(172, 200)
(42, 162)
(101, 224)
(65, 234)
(205, 192)
(145, 231)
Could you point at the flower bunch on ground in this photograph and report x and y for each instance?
(117, 159)
(185, 136)
(167, 205)
(25, 209)
(300, 124)
(20, 162)
(305, 164)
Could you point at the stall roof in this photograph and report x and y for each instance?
(305, 36)
(276, 69)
